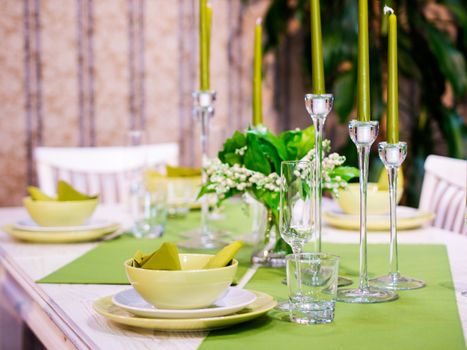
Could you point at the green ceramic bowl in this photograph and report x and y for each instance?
(377, 200)
(60, 213)
(190, 288)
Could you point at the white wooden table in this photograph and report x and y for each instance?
(61, 315)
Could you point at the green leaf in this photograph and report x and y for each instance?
(266, 136)
(204, 190)
(452, 126)
(269, 199)
(254, 158)
(344, 87)
(228, 154)
(451, 61)
(345, 172)
(298, 142)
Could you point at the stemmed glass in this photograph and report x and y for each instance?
(296, 208)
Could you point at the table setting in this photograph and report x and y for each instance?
(274, 242)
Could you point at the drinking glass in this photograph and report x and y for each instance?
(312, 287)
(181, 194)
(296, 209)
(148, 211)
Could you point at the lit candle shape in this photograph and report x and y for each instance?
(363, 105)
(392, 100)
(317, 68)
(203, 46)
(257, 75)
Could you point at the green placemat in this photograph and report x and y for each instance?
(104, 264)
(425, 319)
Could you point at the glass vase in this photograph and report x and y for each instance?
(270, 249)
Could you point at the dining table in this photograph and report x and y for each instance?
(62, 317)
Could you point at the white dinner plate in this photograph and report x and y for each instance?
(407, 218)
(30, 225)
(232, 301)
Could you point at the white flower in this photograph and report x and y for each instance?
(223, 178)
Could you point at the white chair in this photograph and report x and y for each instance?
(444, 192)
(103, 170)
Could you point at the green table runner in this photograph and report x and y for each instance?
(425, 319)
(104, 264)
(421, 319)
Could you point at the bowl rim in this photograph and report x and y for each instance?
(30, 200)
(234, 264)
(354, 186)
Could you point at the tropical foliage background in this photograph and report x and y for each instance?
(432, 46)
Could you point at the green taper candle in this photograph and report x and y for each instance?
(203, 46)
(317, 68)
(393, 100)
(257, 75)
(363, 106)
(209, 19)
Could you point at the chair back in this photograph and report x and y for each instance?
(103, 170)
(444, 192)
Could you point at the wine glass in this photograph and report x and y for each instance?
(296, 210)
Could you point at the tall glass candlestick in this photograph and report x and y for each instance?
(319, 106)
(392, 156)
(203, 110)
(363, 134)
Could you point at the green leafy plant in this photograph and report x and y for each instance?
(251, 161)
(430, 58)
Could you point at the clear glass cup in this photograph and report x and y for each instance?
(296, 208)
(312, 284)
(181, 194)
(148, 211)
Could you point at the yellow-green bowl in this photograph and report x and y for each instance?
(377, 201)
(192, 287)
(60, 213)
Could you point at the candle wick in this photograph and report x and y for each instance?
(387, 10)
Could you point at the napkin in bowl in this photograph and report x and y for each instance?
(166, 257)
(65, 192)
(224, 256)
(182, 172)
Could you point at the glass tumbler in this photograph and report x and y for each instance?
(148, 211)
(312, 287)
(181, 194)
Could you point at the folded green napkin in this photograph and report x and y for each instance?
(166, 257)
(65, 192)
(37, 195)
(224, 256)
(182, 172)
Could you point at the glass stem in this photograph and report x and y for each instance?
(393, 258)
(363, 158)
(318, 191)
(204, 115)
(297, 251)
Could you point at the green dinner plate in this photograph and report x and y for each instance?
(261, 306)
(61, 237)
(407, 218)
